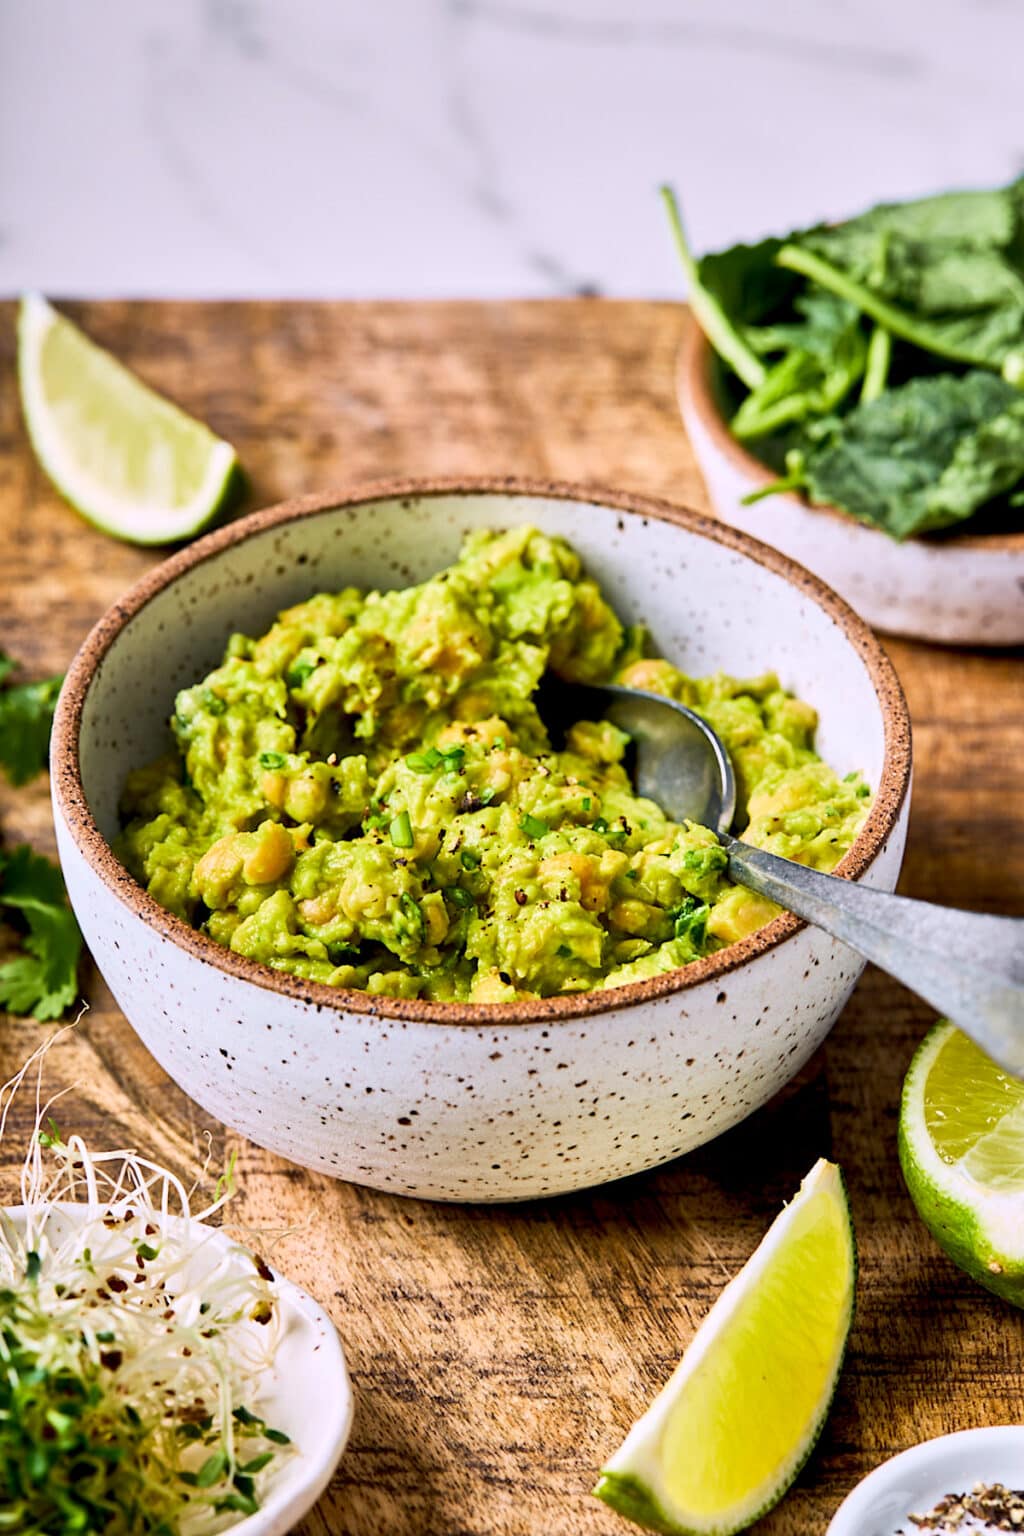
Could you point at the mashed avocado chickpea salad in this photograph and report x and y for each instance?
(366, 795)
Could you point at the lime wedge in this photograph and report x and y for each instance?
(128, 460)
(962, 1152)
(729, 1432)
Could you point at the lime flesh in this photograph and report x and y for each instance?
(962, 1153)
(731, 1429)
(128, 460)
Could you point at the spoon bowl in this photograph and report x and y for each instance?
(682, 765)
(677, 759)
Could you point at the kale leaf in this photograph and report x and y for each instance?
(920, 457)
(26, 714)
(943, 273)
(42, 979)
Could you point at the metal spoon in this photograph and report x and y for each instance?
(968, 965)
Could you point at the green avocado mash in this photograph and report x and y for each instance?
(365, 795)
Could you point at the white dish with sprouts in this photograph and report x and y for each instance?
(185, 1385)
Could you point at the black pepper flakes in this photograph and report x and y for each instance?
(996, 1507)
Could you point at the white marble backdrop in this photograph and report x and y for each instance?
(422, 148)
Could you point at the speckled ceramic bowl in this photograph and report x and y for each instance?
(452, 1101)
(958, 588)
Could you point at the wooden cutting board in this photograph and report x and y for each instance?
(499, 1354)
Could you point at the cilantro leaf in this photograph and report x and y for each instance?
(923, 456)
(42, 979)
(26, 714)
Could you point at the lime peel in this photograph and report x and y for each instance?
(973, 1202)
(731, 1429)
(124, 457)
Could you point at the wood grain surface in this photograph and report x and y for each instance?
(499, 1354)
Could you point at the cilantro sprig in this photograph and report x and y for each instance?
(26, 714)
(42, 979)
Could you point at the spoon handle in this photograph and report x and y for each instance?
(968, 965)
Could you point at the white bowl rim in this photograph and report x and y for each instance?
(693, 382)
(848, 1518)
(71, 804)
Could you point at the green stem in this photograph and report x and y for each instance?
(714, 322)
(795, 259)
(746, 425)
(876, 370)
(786, 483)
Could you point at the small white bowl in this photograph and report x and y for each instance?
(960, 588)
(464, 1101)
(915, 1481)
(307, 1393)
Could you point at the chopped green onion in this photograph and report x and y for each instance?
(586, 802)
(425, 762)
(564, 952)
(213, 702)
(410, 909)
(470, 859)
(299, 671)
(485, 796)
(273, 760)
(461, 898)
(691, 921)
(341, 954)
(400, 830)
(533, 826)
(599, 824)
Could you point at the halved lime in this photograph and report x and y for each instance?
(962, 1152)
(124, 457)
(729, 1432)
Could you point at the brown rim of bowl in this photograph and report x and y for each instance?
(693, 378)
(70, 798)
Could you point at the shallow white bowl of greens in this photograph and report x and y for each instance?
(958, 588)
(874, 367)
